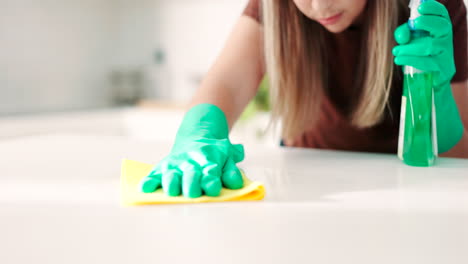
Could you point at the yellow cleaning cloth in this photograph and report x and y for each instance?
(133, 172)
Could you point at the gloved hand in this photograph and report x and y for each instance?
(202, 160)
(433, 53)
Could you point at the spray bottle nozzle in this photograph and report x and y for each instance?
(414, 13)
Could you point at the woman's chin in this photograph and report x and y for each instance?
(336, 28)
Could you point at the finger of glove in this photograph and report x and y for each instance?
(436, 26)
(421, 63)
(171, 182)
(232, 177)
(433, 8)
(419, 47)
(211, 180)
(191, 177)
(150, 183)
(191, 184)
(237, 153)
(403, 34)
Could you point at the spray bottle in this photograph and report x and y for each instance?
(417, 144)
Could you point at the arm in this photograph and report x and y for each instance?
(234, 78)
(460, 93)
(202, 159)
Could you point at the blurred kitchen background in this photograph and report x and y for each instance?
(112, 67)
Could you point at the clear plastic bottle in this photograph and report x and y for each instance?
(418, 139)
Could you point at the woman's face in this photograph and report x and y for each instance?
(335, 15)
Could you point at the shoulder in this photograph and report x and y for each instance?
(253, 9)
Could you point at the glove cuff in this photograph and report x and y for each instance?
(204, 120)
(449, 124)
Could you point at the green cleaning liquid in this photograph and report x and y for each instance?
(417, 146)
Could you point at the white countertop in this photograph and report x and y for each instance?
(59, 203)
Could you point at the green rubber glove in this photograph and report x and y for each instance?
(202, 160)
(433, 53)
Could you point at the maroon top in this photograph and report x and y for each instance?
(334, 129)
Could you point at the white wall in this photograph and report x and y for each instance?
(58, 54)
(193, 32)
(55, 54)
(136, 34)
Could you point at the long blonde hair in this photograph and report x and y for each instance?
(296, 63)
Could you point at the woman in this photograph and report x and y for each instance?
(334, 81)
